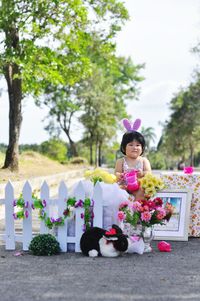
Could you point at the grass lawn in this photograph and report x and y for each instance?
(33, 164)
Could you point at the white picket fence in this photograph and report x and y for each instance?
(10, 237)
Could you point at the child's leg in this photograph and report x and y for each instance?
(139, 195)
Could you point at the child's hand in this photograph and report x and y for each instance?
(140, 173)
(123, 186)
(120, 176)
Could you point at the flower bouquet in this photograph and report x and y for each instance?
(100, 175)
(145, 212)
(151, 184)
(138, 217)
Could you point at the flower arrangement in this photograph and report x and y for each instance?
(145, 212)
(100, 175)
(88, 214)
(151, 184)
(50, 222)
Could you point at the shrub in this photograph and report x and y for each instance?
(55, 149)
(78, 160)
(44, 245)
(158, 160)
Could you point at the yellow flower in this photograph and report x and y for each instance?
(150, 191)
(151, 184)
(108, 179)
(114, 178)
(100, 174)
(143, 182)
(88, 173)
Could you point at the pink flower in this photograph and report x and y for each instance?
(146, 216)
(188, 170)
(121, 216)
(161, 213)
(136, 206)
(158, 201)
(146, 208)
(151, 205)
(123, 204)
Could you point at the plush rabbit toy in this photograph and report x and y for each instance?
(99, 242)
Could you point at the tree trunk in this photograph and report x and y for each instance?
(191, 156)
(73, 148)
(91, 156)
(66, 129)
(15, 115)
(99, 155)
(71, 143)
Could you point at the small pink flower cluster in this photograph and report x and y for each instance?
(146, 212)
(188, 170)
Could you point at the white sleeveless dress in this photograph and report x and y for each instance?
(126, 167)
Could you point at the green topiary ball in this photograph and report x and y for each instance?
(44, 245)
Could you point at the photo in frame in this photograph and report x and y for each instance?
(178, 226)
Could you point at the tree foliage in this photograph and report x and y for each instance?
(44, 42)
(55, 149)
(149, 136)
(111, 82)
(181, 132)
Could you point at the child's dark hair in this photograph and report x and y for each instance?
(129, 137)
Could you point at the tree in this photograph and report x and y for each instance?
(65, 100)
(149, 136)
(63, 104)
(104, 96)
(44, 42)
(99, 116)
(181, 132)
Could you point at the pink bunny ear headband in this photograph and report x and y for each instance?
(131, 126)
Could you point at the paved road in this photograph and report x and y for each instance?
(149, 277)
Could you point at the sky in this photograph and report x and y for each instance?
(160, 34)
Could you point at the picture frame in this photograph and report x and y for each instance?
(178, 226)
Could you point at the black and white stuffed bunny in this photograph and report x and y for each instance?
(99, 242)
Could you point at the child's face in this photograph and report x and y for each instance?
(133, 149)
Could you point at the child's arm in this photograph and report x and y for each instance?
(119, 170)
(118, 166)
(146, 168)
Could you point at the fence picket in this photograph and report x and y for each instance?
(44, 195)
(9, 220)
(27, 222)
(79, 194)
(62, 231)
(98, 206)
